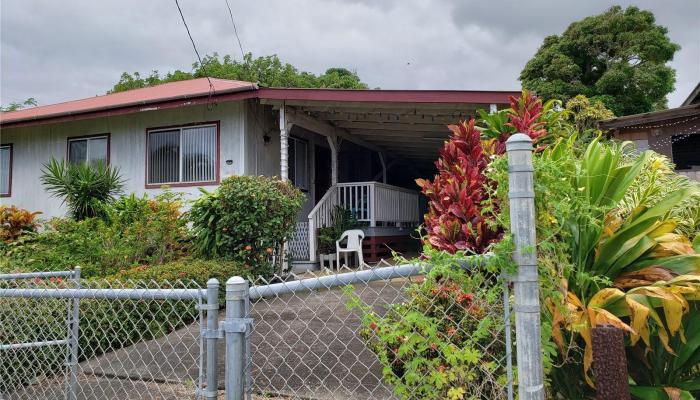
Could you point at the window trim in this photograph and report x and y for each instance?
(9, 179)
(306, 163)
(217, 156)
(86, 137)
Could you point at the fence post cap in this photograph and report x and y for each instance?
(212, 282)
(519, 141)
(235, 280)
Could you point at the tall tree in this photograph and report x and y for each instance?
(618, 57)
(268, 71)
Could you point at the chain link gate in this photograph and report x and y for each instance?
(66, 338)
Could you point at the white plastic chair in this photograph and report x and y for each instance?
(354, 245)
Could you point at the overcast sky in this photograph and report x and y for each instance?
(63, 50)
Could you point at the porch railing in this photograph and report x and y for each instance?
(371, 202)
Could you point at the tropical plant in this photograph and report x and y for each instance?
(246, 219)
(454, 221)
(629, 268)
(14, 106)
(15, 222)
(84, 188)
(153, 232)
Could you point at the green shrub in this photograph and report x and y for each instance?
(84, 188)
(133, 231)
(439, 343)
(246, 219)
(185, 269)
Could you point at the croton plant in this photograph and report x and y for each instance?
(457, 193)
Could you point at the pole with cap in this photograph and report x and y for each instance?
(525, 283)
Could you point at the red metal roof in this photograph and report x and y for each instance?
(196, 91)
(138, 97)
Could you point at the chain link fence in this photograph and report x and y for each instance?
(391, 332)
(65, 338)
(385, 333)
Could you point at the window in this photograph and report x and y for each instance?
(298, 155)
(5, 170)
(92, 149)
(182, 155)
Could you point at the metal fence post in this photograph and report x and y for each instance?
(73, 332)
(526, 287)
(235, 327)
(212, 308)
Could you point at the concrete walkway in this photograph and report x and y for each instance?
(305, 346)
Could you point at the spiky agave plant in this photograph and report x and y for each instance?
(84, 188)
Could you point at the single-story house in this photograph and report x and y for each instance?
(674, 132)
(361, 149)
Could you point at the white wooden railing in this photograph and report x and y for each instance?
(370, 202)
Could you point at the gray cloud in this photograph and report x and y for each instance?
(57, 51)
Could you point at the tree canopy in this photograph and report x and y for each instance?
(14, 106)
(268, 71)
(618, 57)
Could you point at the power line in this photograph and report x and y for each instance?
(235, 31)
(206, 74)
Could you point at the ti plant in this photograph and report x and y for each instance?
(454, 221)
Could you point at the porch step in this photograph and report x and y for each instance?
(301, 266)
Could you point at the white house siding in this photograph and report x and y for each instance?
(35, 145)
(261, 158)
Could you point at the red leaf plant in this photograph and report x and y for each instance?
(454, 221)
(525, 115)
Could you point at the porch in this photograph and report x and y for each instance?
(362, 150)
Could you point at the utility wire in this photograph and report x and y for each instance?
(235, 31)
(206, 74)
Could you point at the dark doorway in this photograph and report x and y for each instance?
(686, 151)
(322, 175)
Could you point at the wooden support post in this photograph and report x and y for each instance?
(333, 144)
(521, 197)
(610, 363)
(493, 108)
(383, 161)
